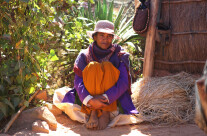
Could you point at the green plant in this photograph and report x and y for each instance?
(43, 60)
(104, 11)
(29, 30)
(101, 12)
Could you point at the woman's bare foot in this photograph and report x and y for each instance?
(93, 120)
(103, 120)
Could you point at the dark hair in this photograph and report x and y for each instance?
(94, 34)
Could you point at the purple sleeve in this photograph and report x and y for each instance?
(80, 88)
(120, 87)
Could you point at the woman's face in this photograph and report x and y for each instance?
(103, 40)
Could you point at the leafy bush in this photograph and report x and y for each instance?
(29, 30)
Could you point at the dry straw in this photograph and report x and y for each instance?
(165, 100)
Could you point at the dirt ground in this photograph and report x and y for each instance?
(71, 128)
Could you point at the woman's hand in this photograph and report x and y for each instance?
(98, 102)
(101, 98)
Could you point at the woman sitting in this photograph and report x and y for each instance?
(102, 78)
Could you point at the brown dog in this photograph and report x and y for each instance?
(201, 101)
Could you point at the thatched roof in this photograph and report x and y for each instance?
(187, 50)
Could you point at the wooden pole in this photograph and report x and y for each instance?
(150, 40)
(137, 3)
(18, 113)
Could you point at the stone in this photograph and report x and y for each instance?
(52, 108)
(27, 117)
(40, 126)
(46, 115)
(42, 95)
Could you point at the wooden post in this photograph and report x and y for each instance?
(137, 3)
(150, 40)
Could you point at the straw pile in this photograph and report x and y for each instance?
(165, 100)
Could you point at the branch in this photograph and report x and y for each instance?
(9, 124)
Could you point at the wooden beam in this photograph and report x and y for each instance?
(137, 3)
(180, 62)
(150, 40)
(192, 32)
(181, 1)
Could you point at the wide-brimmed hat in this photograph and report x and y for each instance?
(103, 26)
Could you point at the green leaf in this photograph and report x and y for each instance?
(36, 6)
(52, 52)
(6, 101)
(134, 46)
(125, 26)
(8, 18)
(110, 12)
(19, 79)
(104, 6)
(2, 89)
(26, 103)
(90, 11)
(12, 87)
(83, 18)
(131, 44)
(54, 58)
(25, 0)
(36, 47)
(6, 78)
(33, 79)
(118, 18)
(96, 9)
(82, 11)
(92, 1)
(19, 64)
(16, 101)
(32, 90)
(7, 1)
(123, 22)
(99, 11)
(3, 108)
(37, 67)
(18, 89)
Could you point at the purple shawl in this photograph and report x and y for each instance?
(115, 54)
